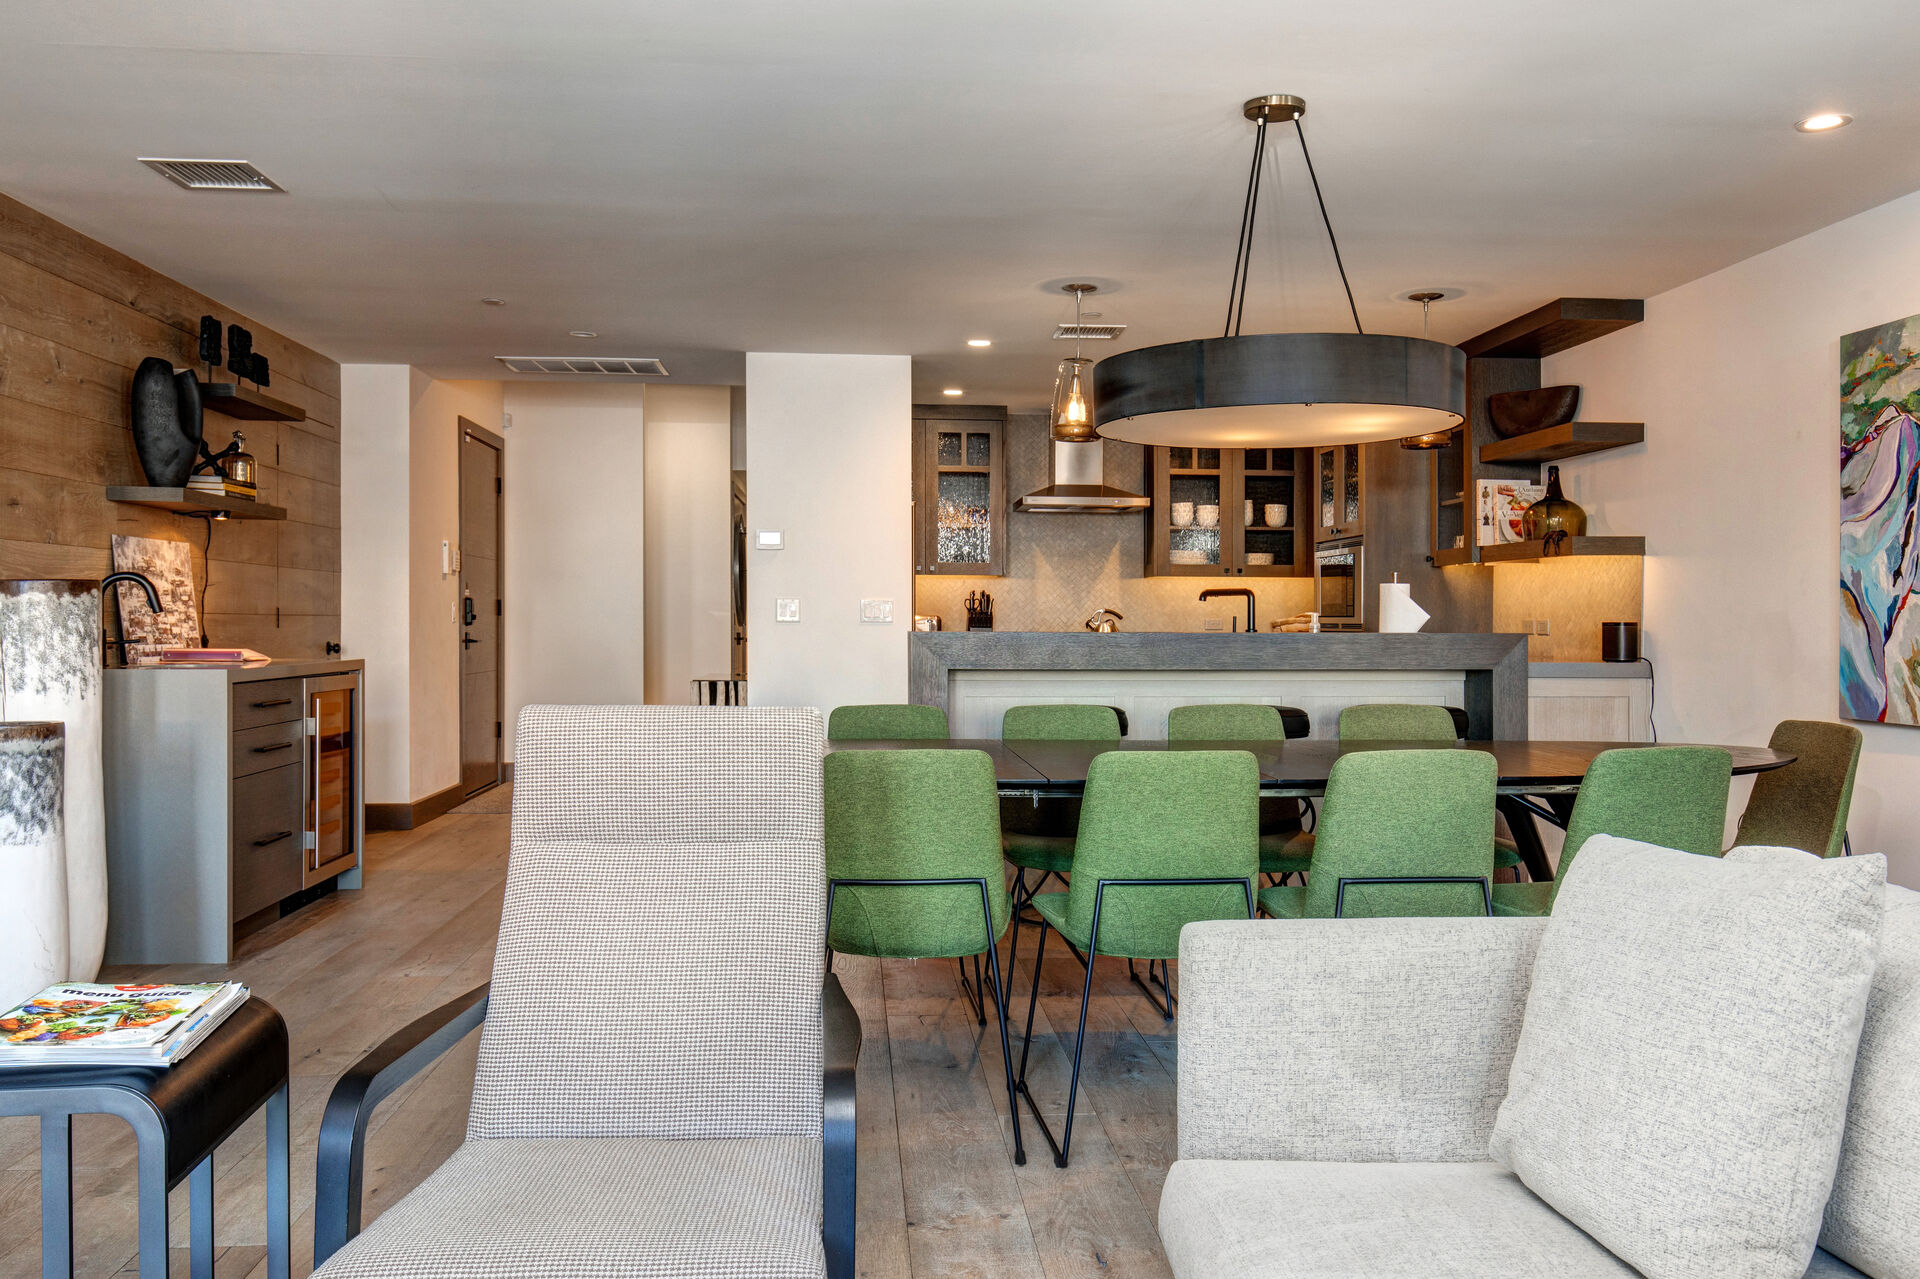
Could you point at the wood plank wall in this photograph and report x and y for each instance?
(76, 318)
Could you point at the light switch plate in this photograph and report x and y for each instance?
(1543, 627)
(876, 611)
(786, 610)
(769, 539)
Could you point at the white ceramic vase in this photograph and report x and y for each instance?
(50, 670)
(33, 862)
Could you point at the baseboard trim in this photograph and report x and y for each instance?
(416, 814)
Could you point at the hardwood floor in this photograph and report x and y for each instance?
(939, 1194)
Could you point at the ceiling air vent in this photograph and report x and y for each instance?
(211, 175)
(1088, 332)
(584, 366)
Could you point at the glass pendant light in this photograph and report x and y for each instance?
(1279, 390)
(1433, 440)
(1072, 405)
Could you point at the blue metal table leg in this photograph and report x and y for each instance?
(279, 1214)
(151, 1188)
(200, 1232)
(56, 1196)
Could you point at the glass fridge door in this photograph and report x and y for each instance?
(332, 833)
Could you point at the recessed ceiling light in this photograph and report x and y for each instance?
(582, 333)
(952, 390)
(1825, 122)
(493, 301)
(979, 341)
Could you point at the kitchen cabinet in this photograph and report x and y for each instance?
(960, 489)
(1339, 492)
(229, 792)
(1246, 486)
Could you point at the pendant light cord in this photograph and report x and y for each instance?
(1319, 199)
(1243, 248)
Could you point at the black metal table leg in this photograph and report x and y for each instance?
(200, 1229)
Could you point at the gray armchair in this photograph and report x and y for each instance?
(665, 1081)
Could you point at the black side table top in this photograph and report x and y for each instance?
(200, 1100)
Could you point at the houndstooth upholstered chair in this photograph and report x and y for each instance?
(665, 1085)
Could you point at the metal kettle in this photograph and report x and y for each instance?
(1104, 621)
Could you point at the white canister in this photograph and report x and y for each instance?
(1182, 514)
(50, 670)
(1276, 513)
(34, 950)
(1207, 516)
(1246, 518)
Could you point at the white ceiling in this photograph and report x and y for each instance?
(695, 180)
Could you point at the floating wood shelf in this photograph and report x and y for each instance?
(1569, 439)
(1449, 556)
(1511, 552)
(184, 501)
(234, 400)
(1564, 323)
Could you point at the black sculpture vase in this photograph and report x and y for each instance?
(166, 422)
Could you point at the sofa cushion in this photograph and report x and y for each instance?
(1680, 1085)
(603, 1206)
(1873, 1218)
(1255, 1219)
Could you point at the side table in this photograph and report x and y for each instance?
(179, 1114)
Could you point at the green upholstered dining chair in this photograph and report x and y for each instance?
(1166, 838)
(1804, 805)
(913, 867)
(1673, 796)
(1037, 834)
(1401, 833)
(1233, 722)
(1396, 722)
(887, 721)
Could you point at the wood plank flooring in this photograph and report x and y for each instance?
(939, 1193)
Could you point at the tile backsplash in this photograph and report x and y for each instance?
(1573, 596)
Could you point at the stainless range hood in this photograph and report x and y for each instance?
(1077, 486)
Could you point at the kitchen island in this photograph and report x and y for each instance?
(975, 675)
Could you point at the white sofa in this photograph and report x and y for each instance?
(1338, 1086)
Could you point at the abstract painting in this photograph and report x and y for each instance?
(1879, 538)
(169, 566)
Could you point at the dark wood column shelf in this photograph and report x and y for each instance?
(183, 501)
(233, 400)
(1512, 552)
(1569, 439)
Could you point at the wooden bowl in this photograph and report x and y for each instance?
(1518, 412)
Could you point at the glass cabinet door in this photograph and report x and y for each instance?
(1196, 486)
(1269, 514)
(959, 496)
(331, 803)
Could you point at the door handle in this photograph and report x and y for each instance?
(273, 839)
(468, 641)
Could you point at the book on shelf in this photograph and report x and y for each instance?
(96, 1024)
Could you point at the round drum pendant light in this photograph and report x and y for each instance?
(1279, 390)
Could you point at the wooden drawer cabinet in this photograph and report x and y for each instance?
(226, 795)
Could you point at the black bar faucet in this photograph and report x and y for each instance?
(139, 580)
(1214, 592)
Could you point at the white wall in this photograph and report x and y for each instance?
(434, 516)
(1737, 490)
(689, 537)
(375, 449)
(829, 464)
(575, 546)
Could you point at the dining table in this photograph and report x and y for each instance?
(1537, 781)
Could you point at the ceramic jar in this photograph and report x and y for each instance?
(50, 670)
(34, 945)
(1207, 516)
(1182, 513)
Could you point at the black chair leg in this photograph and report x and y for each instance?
(1062, 1147)
(1006, 1046)
(1164, 1009)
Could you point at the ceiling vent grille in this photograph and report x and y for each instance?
(211, 175)
(1088, 332)
(583, 366)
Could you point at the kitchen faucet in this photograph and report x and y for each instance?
(1213, 592)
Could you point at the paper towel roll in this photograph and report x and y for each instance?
(1398, 613)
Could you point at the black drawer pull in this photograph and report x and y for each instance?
(273, 839)
(278, 701)
(277, 746)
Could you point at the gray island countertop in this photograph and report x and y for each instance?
(1495, 666)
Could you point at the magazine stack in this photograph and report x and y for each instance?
(94, 1024)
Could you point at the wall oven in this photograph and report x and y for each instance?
(1336, 587)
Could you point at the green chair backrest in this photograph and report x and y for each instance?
(1805, 804)
(1395, 813)
(1396, 722)
(1673, 796)
(1225, 722)
(888, 721)
(1061, 723)
(1164, 815)
(906, 814)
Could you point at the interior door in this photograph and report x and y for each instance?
(481, 607)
